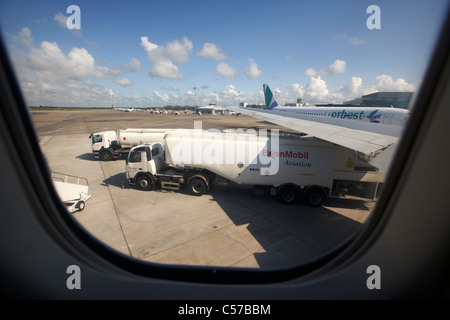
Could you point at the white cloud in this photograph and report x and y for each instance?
(61, 19)
(355, 85)
(123, 82)
(252, 70)
(209, 50)
(229, 95)
(134, 65)
(179, 52)
(147, 45)
(170, 88)
(131, 66)
(24, 38)
(386, 83)
(225, 70)
(338, 67)
(354, 89)
(166, 58)
(50, 77)
(175, 51)
(115, 71)
(163, 97)
(311, 72)
(165, 69)
(297, 89)
(316, 90)
(51, 63)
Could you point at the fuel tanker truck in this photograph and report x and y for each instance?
(288, 167)
(108, 145)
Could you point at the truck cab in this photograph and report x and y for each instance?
(102, 139)
(146, 168)
(103, 143)
(146, 158)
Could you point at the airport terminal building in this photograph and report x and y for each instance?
(387, 99)
(383, 99)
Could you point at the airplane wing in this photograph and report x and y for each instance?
(363, 137)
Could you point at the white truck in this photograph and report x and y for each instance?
(289, 167)
(108, 145)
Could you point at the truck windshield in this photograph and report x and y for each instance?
(135, 156)
(96, 138)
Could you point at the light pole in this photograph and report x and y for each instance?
(195, 100)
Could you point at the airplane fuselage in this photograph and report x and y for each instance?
(391, 116)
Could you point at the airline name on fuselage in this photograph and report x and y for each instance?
(356, 115)
(348, 115)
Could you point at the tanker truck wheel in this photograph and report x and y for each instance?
(197, 187)
(145, 183)
(288, 194)
(105, 156)
(316, 197)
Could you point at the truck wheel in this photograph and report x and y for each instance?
(288, 194)
(144, 183)
(80, 205)
(316, 197)
(105, 156)
(197, 187)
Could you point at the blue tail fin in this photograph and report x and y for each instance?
(270, 100)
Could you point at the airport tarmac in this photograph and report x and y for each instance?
(229, 226)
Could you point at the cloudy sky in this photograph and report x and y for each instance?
(154, 53)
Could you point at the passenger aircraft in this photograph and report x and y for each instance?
(406, 239)
(390, 116)
(367, 130)
(123, 109)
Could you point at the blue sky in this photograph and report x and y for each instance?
(153, 53)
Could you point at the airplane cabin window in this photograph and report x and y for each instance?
(277, 134)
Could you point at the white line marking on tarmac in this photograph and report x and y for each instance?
(45, 139)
